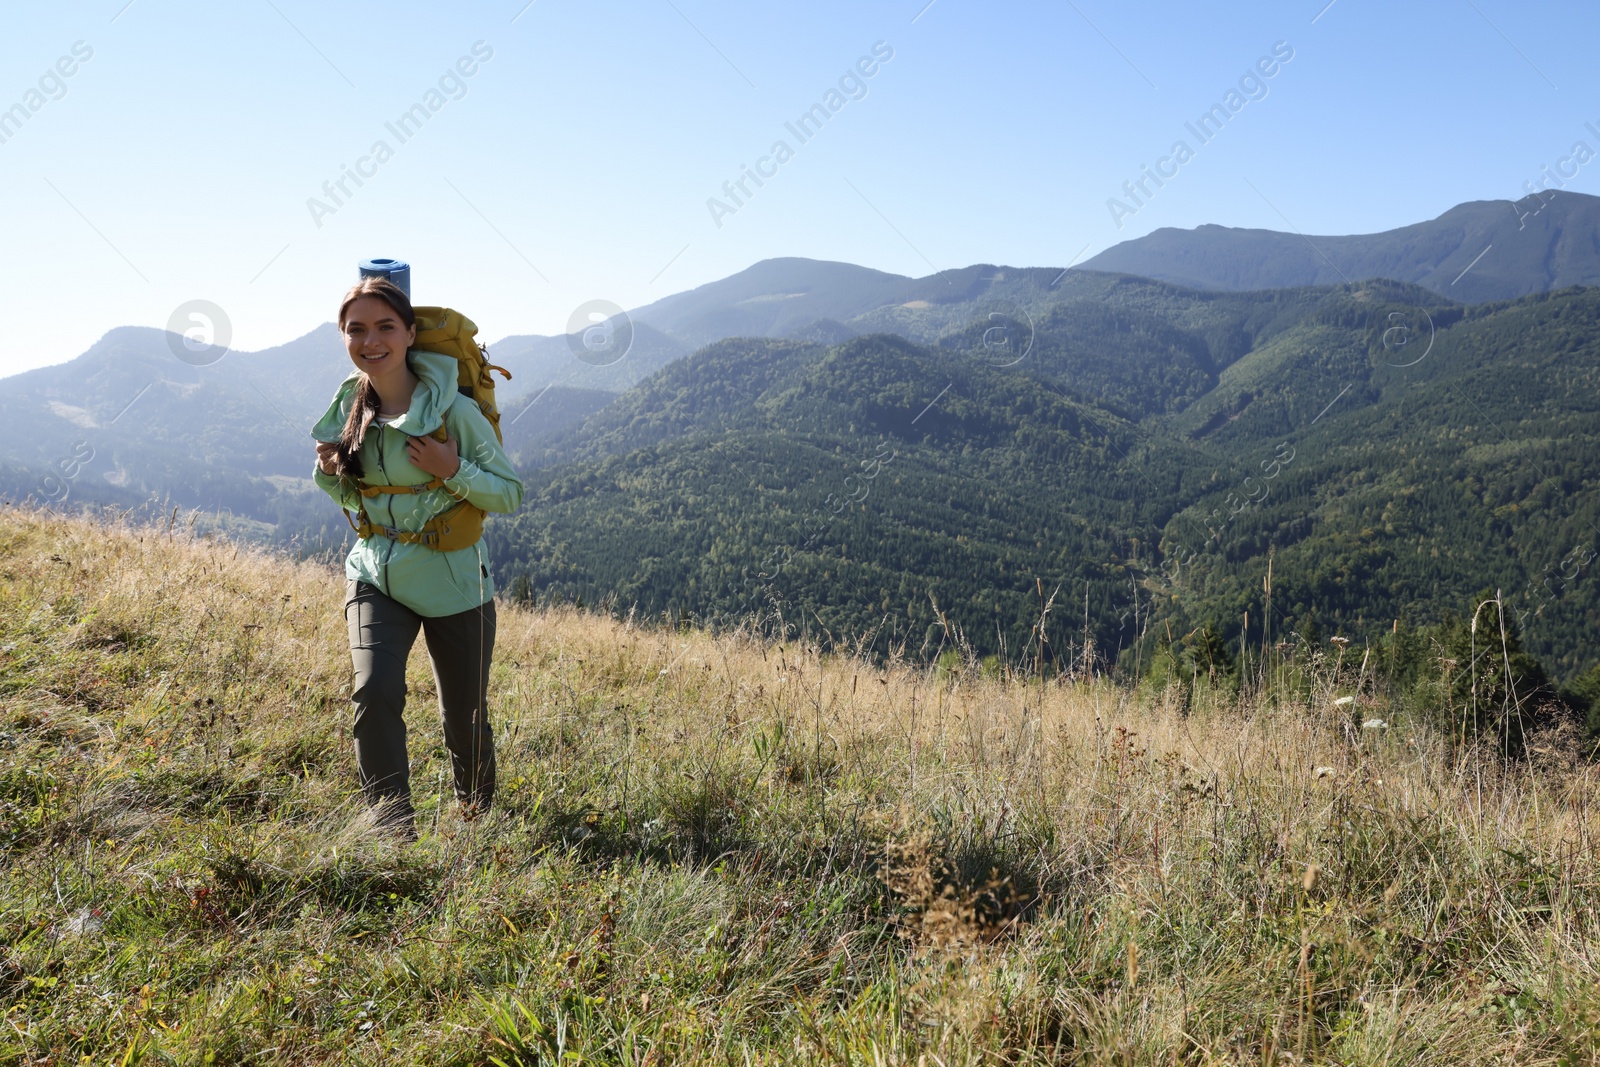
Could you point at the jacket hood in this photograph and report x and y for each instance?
(436, 390)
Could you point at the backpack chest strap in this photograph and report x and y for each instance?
(400, 490)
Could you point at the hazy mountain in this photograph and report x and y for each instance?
(537, 361)
(529, 423)
(130, 420)
(772, 298)
(1475, 252)
(822, 332)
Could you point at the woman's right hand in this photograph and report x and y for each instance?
(328, 457)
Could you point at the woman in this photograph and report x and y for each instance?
(382, 430)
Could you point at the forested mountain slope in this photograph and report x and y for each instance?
(1153, 447)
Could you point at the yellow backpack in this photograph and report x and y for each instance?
(450, 333)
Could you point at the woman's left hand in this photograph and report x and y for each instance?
(437, 458)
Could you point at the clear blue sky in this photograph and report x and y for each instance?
(177, 161)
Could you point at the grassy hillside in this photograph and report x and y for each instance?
(710, 849)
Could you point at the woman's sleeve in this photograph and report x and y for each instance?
(340, 488)
(486, 478)
(326, 431)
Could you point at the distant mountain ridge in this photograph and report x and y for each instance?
(1476, 252)
(735, 394)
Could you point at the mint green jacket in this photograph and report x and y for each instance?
(429, 582)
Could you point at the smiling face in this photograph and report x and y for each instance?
(376, 337)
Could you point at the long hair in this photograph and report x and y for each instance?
(365, 406)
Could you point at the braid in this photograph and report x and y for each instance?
(363, 410)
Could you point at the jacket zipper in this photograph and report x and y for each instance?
(383, 564)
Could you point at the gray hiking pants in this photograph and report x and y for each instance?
(382, 631)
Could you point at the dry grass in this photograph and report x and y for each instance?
(709, 848)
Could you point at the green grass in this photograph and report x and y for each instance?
(709, 849)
